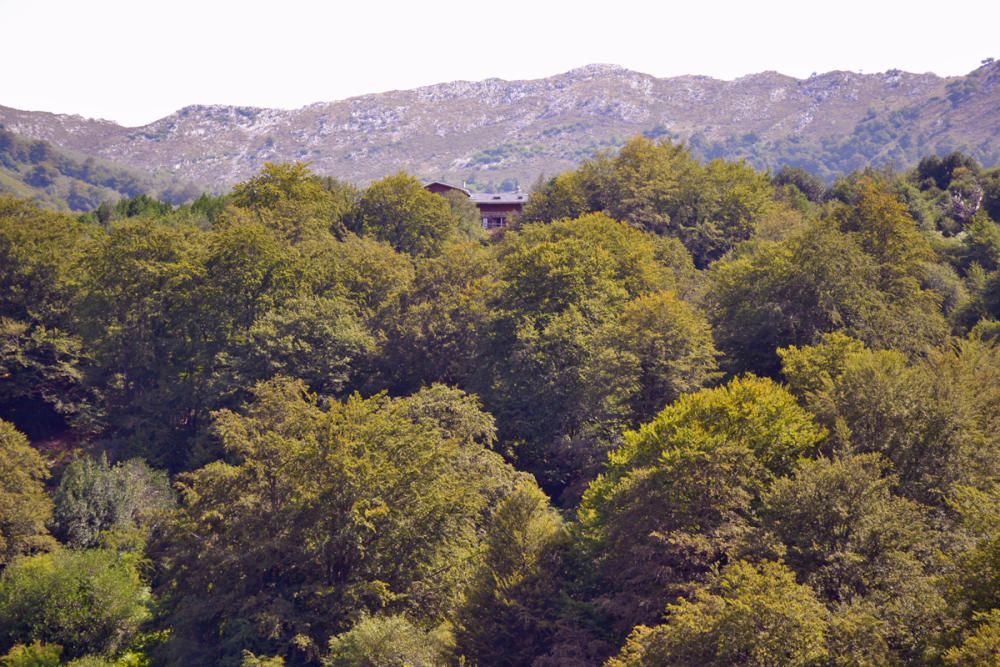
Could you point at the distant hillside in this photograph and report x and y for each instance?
(61, 179)
(494, 131)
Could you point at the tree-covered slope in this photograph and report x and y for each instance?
(678, 413)
(65, 180)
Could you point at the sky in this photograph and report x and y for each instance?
(134, 61)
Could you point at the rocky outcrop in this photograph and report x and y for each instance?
(489, 131)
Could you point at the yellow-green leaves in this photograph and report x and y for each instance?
(294, 202)
(333, 509)
(398, 210)
(25, 508)
(752, 412)
(750, 615)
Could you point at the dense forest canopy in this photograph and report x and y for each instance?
(679, 413)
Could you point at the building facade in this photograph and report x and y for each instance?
(495, 209)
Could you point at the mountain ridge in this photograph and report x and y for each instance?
(493, 132)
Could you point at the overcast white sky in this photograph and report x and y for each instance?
(134, 61)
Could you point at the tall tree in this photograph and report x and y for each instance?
(327, 512)
(398, 210)
(659, 187)
(746, 615)
(294, 202)
(818, 281)
(435, 330)
(863, 548)
(678, 498)
(933, 419)
(510, 611)
(25, 508)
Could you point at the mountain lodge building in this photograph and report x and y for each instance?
(495, 209)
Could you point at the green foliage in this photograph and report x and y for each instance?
(942, 282)
(884, 230)
(808, 184)
(661, 188)
(933, 419)
(324, 514)
(787, 293)
(561, 284)
(857, 638)
(976, 579)
(94, 498)
(939, 171)
(661, 529)
(818, 281)
(36, 252)
(398, 210)
(809, 368)
(24, 506)
(295, 203)
(511, 609)
(97, 661)
(59, 179)
(754, 413)
(982, 243)
(592, 259)
(982, 647)
(249, 268)
(865, 550)
(383, 641)
(589, 262)
(136, 311)
(35, 654)
(320, 340)
(165, 311)
(141, 205)
(746, 615)
(723, 209)
(368, 272)
(251, 660)
(678, 497)
(642, 184)
(88, 601)
(470, 222)
(208, 206)
(955, 188)
(558, 199)
(657, 349)
(43, 390)
(844, 530)
(991, 193)
(434, 330)
(285, 346)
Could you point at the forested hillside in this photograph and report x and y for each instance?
(55, 178)
(680, 413)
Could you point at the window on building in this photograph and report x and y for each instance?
(494, 223)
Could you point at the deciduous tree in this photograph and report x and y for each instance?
(25, 508)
